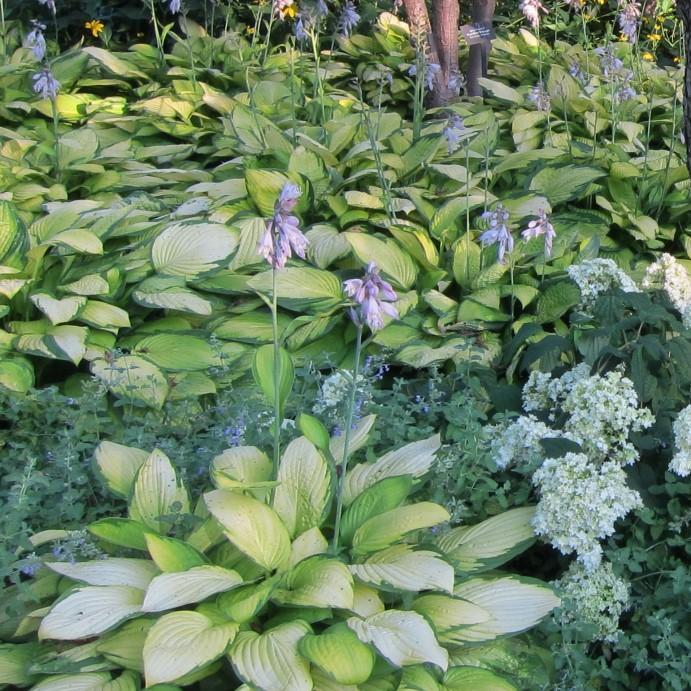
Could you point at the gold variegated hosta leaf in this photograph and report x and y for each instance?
(366, 600)
(402, 568)
(89, 611)
(403, 638)
(124, 646)
(15, 659)
(181, 642)
(306, 545)
(303, 495)
(132, 378)
(171, 590)
(119, 465)
(271, 661)
(358, 438)
(252, 526)
(449, 613)
(413, 459)
(157, 492)
(475, 679)
(317, 582)
(172, 555)
(136, 573)
(89, 681)
(58, 311)
(246, 465)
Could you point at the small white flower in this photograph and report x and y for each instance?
(669, 275)
(681, 462)
(597, 276)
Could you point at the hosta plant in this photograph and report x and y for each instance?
(245, 583)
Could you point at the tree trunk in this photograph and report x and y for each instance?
(421, 29)
(482, 12)
(445, 14)
(684, 12)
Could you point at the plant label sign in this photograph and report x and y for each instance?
(479, 32)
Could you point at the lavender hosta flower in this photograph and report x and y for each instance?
(541, 228)
(348, 20)
(373, 296)
(321, 9)
(539, 97)
(629, 20)
(452, 132)
(45, 84)
(283, 235)
(35, 40)
(498, 231)
(576, 71)
(50, 4)
(623, 90)
(300, 30)
(432, 69)
(609, 62)
(456, 82)
(174, 6)
(531, 11)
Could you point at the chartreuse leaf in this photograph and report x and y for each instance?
(314, 430)
(171, 590)
(317, 582)
(358, 438)
(172, 555)
(251, 526)
(123, 532)
(402, 568)
(560, 184)
(136, 573)
(191, 249)
(89, 611)
(271, 660)
(118, 464)
(104, 315)
(179, 352)
(244, 603)
(264, 186)
(395, 263)
(339, 653)
(14, 239)
(383, 496)
(157, 493)
(16, 374)
(403, 638)
(89, 681)
(467, 257)
(413, 459)
(447, 613)
(491, 543)
(133, 379)
(264, 371)
(383, 530)
(241, 467)
(14, 663)
(418, 678)
(124, 646)
(514, 604)
(182, 642)
(58, 311)
(308, 544)
(303, 495)
(475, 679)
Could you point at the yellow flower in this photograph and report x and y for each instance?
(648, 56)
(95, 26)
(676, 59)
(654, 37)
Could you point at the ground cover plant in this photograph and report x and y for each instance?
(232, 236)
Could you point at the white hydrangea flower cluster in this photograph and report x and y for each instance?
(601, 410)
(518, 442)
(597, 598)
(579, 504)
(596, 276)
(335, 390)
(669, 275)
(681, 462)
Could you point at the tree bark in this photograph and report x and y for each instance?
(684, 12)
(482, 12)
(420, 26)
(445, 14)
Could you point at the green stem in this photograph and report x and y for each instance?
(268, 37)
(56, 134)
(277, 375)
(3, 28)
(346, 440)
(157, 33)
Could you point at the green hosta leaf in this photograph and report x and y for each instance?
(264, 186)
(395, 263)
(383, 496)
(501, 91)
(58, 311)
(118, 465)
(413, 459)
(270, 661)
(383, 530)
(178, 352)
(163, 292)
(254, 327)
(308, 544)
(326, 245)
(556, 299)
(565, 182)
(16, 374)
(303, 495)
(133, 379)
(89, 611)
(171, 590)
(317, 582)
(475, 679)
(403, 638)
(466, 261)
(402, 568)
(124, 646)
(514, 604)
(119, 66)
(104, 316)
(172, 555)
(358, 438)
(91, 284)
(182, 642)
(157, 493)
(314, 431)
(444, 219)
(420, 152)
(263, 369)
(241, 467)
(340, 653)
(79, 240)
(14, 239)
(191, 249)
(136, 573)
(251, 526)
(90, 681)
(14, 663)
(490, 543)
(448, 613)
(123, 532)
(306, 290)
(244, 603)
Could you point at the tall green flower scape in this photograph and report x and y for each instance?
(345, 345)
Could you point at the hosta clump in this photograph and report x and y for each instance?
(244, 584)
